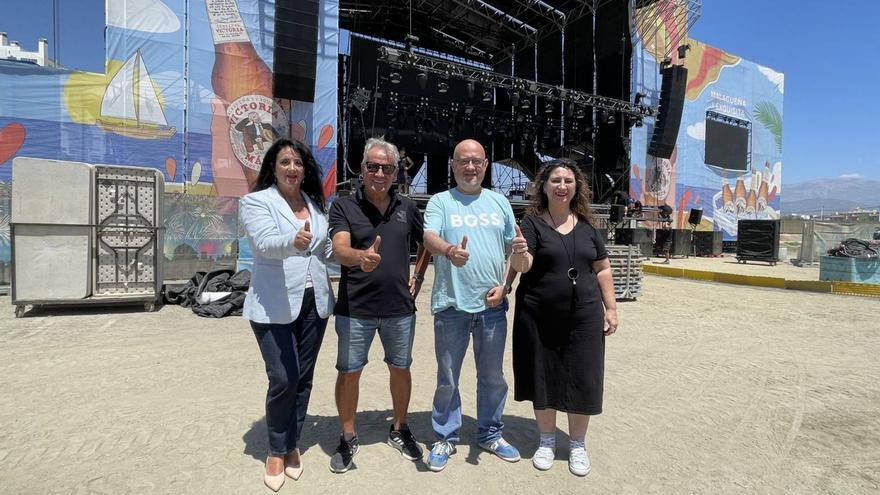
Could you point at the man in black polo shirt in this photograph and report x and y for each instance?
(371, 232)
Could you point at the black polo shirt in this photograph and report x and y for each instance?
(384, 292)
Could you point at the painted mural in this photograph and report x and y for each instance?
(725, 84)
(187, 90)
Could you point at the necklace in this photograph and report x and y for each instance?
(573, 272)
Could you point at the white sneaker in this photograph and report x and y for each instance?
(579, 462)
(543, 458)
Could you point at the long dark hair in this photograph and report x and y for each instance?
(580, 203)
(311, 183)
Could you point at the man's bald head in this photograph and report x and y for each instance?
(469, 166)
(468, 147)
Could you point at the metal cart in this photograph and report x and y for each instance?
(92, 236)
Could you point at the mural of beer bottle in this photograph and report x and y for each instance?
(243, 83)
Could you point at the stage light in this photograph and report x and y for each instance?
(569, 109)
(470, 89)
(548, 108)
(682, 51)
(526, 103)
(442, 87)
(607, 117)
(395, 77)
(580, 113)
(514, 98)
(422, 79)
(638, 98)
(487, 95)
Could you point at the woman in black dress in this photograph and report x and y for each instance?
(565, 307)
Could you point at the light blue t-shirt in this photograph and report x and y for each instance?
(487, 220)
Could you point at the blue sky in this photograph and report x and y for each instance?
(828, 52)
(829, 55)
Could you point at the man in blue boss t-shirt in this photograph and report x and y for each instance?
(469, 229)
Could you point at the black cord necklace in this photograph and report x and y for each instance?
(573, 272)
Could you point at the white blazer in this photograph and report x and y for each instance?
(278, 275)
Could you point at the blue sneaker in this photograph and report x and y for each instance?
(502, 449)
(439, 455)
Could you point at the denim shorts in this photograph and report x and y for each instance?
(356, 336)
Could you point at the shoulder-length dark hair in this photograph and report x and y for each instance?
(580, 204)
(311, 183)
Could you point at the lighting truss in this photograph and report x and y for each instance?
(649, 16)
(492, 13)
(413, 61)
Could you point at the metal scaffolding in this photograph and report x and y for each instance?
(402, 59)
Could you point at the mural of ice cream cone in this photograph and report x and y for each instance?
(751, 202)
(726, 196)
(739, 196)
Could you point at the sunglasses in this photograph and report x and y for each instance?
(373, 167)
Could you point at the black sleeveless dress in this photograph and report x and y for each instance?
(558, 343)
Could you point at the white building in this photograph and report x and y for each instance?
(12, 51)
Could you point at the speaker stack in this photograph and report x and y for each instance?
(707, 242)
(296, 49)
(635, 237)
(757, 240)
(680, 242)
(668, 120)
(616, 213)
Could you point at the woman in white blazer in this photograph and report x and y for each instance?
(289, 299)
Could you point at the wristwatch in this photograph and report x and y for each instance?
(419, 278)
(508, 288)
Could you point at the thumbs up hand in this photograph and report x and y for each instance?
(519, 245)
(370, 257)
(457, 253)
(303, 237)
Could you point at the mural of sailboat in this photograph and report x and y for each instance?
(131, 107)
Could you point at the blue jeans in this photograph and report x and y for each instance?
(356, 336)
(289, 351)
(452, 332)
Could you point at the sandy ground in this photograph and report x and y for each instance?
(710, 388)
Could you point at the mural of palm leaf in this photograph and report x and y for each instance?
(5, 216)
(768, 115)
(4, 231)
(195, 217)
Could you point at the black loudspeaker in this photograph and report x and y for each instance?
(681, 242)
(635, 237)
(296, 49)
(757, 240)
(708, 242)
(695, 216)
(669, 113)
(616, 213)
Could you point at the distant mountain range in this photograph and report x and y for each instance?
(830, 195)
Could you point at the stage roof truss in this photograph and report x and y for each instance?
(497, 28)
(403, 59)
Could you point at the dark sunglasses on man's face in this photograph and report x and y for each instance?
(373, 167)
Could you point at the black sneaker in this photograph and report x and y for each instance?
(404, 441)
(342, 458)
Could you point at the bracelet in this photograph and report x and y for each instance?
(419, 278)
(448, 252)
